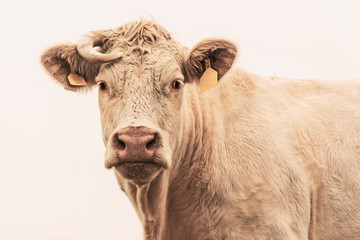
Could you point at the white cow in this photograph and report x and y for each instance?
(250, 158)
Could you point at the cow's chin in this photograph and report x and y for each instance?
(139, 173)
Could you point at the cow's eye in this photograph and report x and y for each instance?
(102, 86)
(176, 84)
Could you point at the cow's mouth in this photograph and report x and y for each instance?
(139, 173)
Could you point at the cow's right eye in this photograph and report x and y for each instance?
(176, 85)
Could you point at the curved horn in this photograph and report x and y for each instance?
(85, 47)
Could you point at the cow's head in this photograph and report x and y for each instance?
(144, 78)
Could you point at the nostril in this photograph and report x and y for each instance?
(152, 144)
(119, 143)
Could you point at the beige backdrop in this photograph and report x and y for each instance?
(52, 181)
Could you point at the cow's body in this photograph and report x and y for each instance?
(279, 160)
(252, 158)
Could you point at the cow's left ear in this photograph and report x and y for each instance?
(218, 52)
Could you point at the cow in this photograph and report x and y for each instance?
(241, 157)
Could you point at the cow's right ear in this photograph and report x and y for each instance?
(62, 60)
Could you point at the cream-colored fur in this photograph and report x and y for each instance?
(252, 158)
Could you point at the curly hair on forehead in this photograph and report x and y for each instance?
(141, 37)
(137, 33)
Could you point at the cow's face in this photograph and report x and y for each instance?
(143, 77)
(140, 99)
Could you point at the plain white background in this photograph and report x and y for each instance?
(53, 184)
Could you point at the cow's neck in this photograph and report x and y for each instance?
(188, 176)
(166, 202)
(150, 201)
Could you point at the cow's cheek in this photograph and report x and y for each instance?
(109, 119)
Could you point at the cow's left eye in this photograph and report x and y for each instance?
(102, 86)
(176, 84)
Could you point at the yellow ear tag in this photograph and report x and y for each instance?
(208, 80)
(76, 80)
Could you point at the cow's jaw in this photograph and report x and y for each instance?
(139, 173)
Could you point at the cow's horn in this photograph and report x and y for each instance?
(85, 47)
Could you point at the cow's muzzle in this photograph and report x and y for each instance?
(136, 154)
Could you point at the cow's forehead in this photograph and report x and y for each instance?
(156, 64)
(148, 49)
